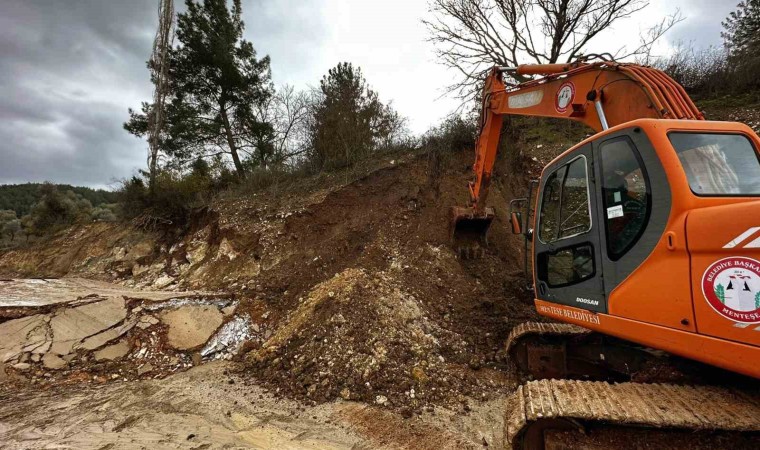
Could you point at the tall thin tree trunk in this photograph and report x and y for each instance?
(231, 141)
(160, 69)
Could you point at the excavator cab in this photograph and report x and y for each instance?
(648, 232)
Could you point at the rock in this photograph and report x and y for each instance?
(3, 375)
(70, 326)
(226, 250)
(70, 357)
(109, 335)
(119, 254)
(381, 400)
(137, 309)
(113, 352)
(197, 359)
(197, 252)
(138, 270)
(141, 250)
(228, 311)
(22, 366)
(36, 357)
(53, 361)
(345, 394)
(147, 321)
(191, 326)
(163, 281)
(27, 334)
(419, 375)
(145, 368)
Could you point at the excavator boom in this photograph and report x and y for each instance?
(600, 94)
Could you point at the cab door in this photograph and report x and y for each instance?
(566, 241)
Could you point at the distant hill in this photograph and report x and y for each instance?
(21, 197)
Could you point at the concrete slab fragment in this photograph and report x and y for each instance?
(113, 352)
(107, 336)
(53, 362)
(191, 326)
(70, 326)
(22, 335)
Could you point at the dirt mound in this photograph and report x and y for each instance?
(373, 304)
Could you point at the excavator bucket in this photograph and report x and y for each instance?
(469, 230)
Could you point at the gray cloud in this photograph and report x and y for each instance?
(70, 69)
(703, 21)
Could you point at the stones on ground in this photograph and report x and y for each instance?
(113, 352)
(145, 368)
(53, 362)
(70, 326)
(147, 321)
(226, 250)
(163, 281)
(22, 366)
(191, 326)
(419, 375)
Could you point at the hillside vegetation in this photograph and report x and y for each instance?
(21, 197)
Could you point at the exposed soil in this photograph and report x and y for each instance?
(210, 407)
(366, 297)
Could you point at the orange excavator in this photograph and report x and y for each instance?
(644, 238)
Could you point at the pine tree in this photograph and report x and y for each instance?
(349, 120)
(216, 82)
(742, 28)
(721, 293)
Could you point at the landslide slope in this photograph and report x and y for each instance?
(355, 276)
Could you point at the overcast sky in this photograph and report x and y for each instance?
(69, 69)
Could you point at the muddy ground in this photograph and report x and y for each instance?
(121, 368)
(212, 407)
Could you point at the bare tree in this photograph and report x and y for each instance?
(288, 111)
(159, 69)
(474, 35)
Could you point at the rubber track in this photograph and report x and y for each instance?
(651, 405)
(529, 328)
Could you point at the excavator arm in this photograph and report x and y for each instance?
(600, 94)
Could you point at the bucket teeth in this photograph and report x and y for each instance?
(469, 231)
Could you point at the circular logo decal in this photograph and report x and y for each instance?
(732, 287)
(565, 97)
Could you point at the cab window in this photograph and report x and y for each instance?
(567, 266)
(718, 164)
(625, 194)
(565, 204)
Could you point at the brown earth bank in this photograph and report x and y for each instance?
(360, 291)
